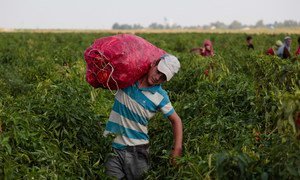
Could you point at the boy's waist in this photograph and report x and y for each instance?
(136, 147)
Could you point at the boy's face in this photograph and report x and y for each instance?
(155, 77)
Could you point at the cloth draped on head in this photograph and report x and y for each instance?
(277, 44)
(286, 39)
(211, 51)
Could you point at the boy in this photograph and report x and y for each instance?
(249, 42)
(134, 106)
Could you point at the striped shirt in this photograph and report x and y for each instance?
(133, 108)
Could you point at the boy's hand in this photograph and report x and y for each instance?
(175, 153)
(177, 136)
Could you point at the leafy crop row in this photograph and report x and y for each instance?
(238, 108)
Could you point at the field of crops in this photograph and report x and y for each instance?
(239, 119)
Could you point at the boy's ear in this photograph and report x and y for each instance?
(153, 63)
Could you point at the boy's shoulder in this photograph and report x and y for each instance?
(164, 94)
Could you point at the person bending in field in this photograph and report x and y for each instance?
(284, 50)
(249, 41)
(272, 50)
(206, 50)
(298, 50)
(133, 107)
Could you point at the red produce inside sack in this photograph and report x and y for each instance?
(116, 62)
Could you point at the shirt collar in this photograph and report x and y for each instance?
(152, 89)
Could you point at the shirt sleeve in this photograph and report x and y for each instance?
(166, 107)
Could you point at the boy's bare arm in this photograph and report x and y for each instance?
(177, 134)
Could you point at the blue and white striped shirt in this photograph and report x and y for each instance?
(132, 109)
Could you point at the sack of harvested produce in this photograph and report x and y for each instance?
(116, 62)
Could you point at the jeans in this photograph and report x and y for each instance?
(129, 163)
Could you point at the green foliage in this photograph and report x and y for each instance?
(238, 109)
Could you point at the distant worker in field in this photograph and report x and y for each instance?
(284, 50)
(274, 49)
(298, 50)
(249, 41)
(206, 50)
(134, 106)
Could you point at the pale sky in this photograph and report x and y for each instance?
(102, 14)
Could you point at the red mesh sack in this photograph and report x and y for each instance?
(116, 62)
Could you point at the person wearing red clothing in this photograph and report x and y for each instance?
(298, 50)
(272, 50)
(206, 50)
